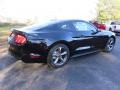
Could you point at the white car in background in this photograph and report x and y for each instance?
(113, 26)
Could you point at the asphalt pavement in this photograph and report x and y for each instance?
(98, 71)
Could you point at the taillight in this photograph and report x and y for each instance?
(20, 39)
(101, 26)
(104, 27)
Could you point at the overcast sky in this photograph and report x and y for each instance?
(48, 9)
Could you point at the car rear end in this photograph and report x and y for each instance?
(100, 26)
(16, 41)
(21, 47)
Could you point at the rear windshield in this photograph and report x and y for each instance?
(37, 26)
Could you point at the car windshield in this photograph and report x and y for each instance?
(112, 23)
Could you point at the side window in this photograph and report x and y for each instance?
(112, 23)
(82, 26)
(92, 28)
(65, 26)
(60, 26)
(117, 23)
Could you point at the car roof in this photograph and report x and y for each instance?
(67, 20)
(48, 23)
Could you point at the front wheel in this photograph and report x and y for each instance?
(110, 45)
(58, 56)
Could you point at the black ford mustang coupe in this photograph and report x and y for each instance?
(59, 40)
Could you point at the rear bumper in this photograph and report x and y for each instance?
(18, 55)
(27, 58)
(23, 53)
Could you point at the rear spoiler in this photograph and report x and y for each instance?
(16, 31)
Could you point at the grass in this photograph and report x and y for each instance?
(4, 33)
(5, 30)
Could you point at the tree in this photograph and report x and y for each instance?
(108, 10)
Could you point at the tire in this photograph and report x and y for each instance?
(110, 29)
(118, 34)
(58, 56)
(110, 45)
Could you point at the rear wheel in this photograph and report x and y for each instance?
(58, 56)
(110, 45)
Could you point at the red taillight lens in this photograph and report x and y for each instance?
(19, 39)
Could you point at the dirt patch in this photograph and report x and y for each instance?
(2, 50)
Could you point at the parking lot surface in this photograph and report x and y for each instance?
(98, 71)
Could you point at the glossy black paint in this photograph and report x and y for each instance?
(40, 39)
